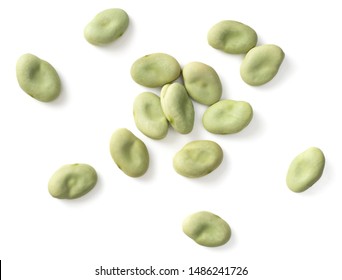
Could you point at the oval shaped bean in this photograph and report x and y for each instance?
(198, 158)
(207, 229)
(261, 64)
(106, 27)
(72, 181)
(177, 107)
(305, 169)
(227, 116)
(129, 153)
(202, 83)
(232, 37)
(38, 78)
(155, 70)
(149, 116)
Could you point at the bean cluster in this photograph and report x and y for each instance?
(155, 114)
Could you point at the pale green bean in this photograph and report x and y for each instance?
(72, 181)
(261, 64)
(149, 116)
(129, 153)
(106, 27)
(232, 37)
(177, 107)
(155, 70)
(198, 158)
(227, 116)
(305, 169)
(202, 83)
(38, 78)
(207, 229)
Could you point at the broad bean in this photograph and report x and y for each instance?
(202, 83)
(72, 181)
(149, 116)
(305, 169)
(129, 153)
(155, 70)
(207, 229)
(38, 78)
(261, 64)
(198, 158)
(227, 116)
(232, 37)
(106, 27)
(177, 107)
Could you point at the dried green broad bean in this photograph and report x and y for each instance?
(207, 229)
(155, 70)
(198, 158)
(227, 116)
(232, 37)
(149, 116)
(129, 153)
(177, 107)
(106, 27)
(72, 181)
(305, 169)
(202, 83)
(261, 64)
(38, 78)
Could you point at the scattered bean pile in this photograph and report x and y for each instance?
(155, 114)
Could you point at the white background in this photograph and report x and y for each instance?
(136, 222)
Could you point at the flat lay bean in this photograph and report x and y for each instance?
(305, 169)
(106, 27)
(149, 116)
(202, 83)
(72, 181)
(38, 78)
(232, 37)
(177, 107)
(261, 64)
(227, 116)
(155, 70)
(207, 229)
(198, 158)
(129, 153)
